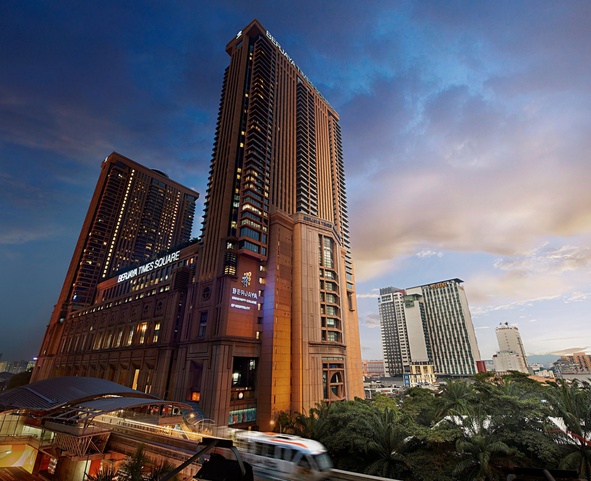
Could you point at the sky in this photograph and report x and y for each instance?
(466, 134)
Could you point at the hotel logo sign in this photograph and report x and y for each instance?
(150, 266)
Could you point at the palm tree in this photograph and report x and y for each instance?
(105, 474)
(479, 447)
(388, 445)
(455, 397)
(133, 467)
(138, 468)
(572, 405)
(157, 472)
(304, 425)
(478, 455)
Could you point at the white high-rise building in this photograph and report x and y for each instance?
(403, 328)
(511, 355)
(391, 308)
(450, 330)
(428, 324)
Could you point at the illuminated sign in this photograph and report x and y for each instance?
(243, 299)
(242, 292)
(150, 266)
(242, 416)
(246, 279)
(439, 285)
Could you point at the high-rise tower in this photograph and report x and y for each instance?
(403, 324)
(276, 297)
(511, 355)
(428, 324)
(257, 317)
(449, 324)
(135, 213)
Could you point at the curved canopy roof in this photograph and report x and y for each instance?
(87, 396)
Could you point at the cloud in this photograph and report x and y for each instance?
(22, 236)
(465, 126)
(569, 351)
(368, 296)
(468, 204)
(429, 253)
(468, 153)
(578, 297)
(548, 258)
(371, 321)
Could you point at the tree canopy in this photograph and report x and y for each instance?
(475, 429)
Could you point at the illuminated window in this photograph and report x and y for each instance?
(118, 339)
(136, 375)
(142, 330)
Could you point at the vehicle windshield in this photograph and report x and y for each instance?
(323, 461)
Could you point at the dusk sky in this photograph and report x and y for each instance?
(466, 130)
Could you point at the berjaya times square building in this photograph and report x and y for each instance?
(259, 315)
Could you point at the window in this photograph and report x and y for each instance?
(156, 332)
(248, 232)
(119, 337)
(328, 257)
(130, 338)
(136, 375)
(250, 246)
(202, 324)
(143, 327)
(98, 341)
(333, 336)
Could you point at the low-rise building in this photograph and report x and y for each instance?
(373, 369)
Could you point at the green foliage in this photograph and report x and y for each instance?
(341, 428)
(455, 397)
(154, 473)
(304, 425)
(391, 440)
(429, 464)
(381, 401)
(107, 474)
(421, 405)
(478, 455)
(572, 405)
(132, 467)
(135, 468)
(475, 430)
